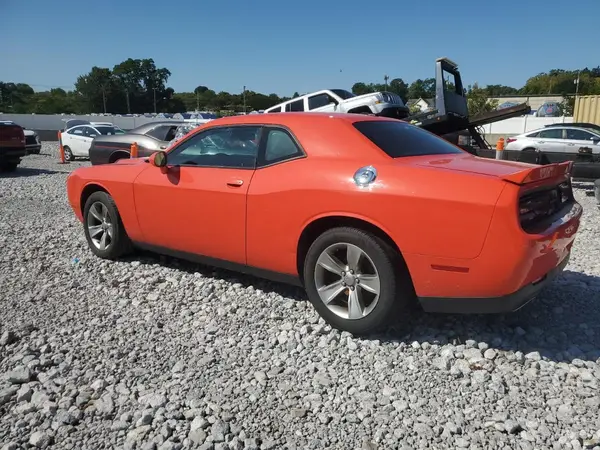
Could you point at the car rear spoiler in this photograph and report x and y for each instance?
(537, 173)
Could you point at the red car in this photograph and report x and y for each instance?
(368, 214)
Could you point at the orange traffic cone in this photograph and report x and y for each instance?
(61, 149)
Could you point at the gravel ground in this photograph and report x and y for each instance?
(156, 353)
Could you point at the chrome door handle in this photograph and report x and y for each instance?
(570, 145)
(235, 183)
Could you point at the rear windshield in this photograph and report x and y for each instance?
(399, 139)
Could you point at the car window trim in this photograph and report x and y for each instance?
(212, 128)
(262, 149)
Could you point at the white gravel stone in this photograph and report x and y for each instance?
(153, 352)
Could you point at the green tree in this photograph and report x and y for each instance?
(422, 88)
(478, 101)
(398, 86)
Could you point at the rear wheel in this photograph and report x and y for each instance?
(104, 230)
(68, 154)
(356, 281)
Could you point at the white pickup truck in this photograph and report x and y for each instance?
(385, 104)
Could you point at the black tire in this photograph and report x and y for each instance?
(8, 166)
(68, 154)
(120, 244)
(396, 297)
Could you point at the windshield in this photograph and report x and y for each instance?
(106, 130)
(343, 93)
(398, 139)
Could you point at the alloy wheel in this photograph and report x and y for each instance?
(347, 281)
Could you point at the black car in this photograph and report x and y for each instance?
(150, 137)
(12, 145)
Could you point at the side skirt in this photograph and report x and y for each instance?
(285, 278)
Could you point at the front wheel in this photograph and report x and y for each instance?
(104, 230)
(356, 281)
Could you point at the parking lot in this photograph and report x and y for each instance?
(153, 352)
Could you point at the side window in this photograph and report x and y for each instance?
(89, 132)
(295, 106)
(579, 135)
(552, 133)
(280, 146)
(235, 146)
(319, 100)
(77, 131)
(159, 132)
(275, 110)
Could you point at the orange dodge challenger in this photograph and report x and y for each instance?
(368, 214)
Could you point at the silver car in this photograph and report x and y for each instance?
(555, 143)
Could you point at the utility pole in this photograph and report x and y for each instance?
(244, 97)
(127, 96)
(386, 78)
(197, 101)
(104, 98)
(154, 89)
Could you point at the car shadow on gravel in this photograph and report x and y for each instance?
(22, 172)
(562, 324)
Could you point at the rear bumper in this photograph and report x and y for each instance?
(493, 305)
(12, 154)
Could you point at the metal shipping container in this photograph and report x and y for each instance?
(587, 109)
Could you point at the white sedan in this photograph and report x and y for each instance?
(77, 140)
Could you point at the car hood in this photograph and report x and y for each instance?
(130, 161)
(468, 164)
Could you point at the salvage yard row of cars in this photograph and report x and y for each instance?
(371, 215)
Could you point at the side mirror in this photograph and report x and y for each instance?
(158, 159)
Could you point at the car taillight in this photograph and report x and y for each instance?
(509, 140)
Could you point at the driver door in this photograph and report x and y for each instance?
(197, 204)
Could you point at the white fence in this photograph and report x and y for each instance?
(508, 127)
(56, 122)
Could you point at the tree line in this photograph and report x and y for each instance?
(137, 86)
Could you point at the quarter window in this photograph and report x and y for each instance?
(219, 147)
(77, 131)
(295, 106)
(553, 133)
(280, 146)
(275, 110)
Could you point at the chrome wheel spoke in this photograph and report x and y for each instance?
(370, 283)
(94, 212)
(353, 255)
(355, 304)
(95, 229)
(103, 240)
(109, 231)
(105, 217)
(331, 263)
(331, 291)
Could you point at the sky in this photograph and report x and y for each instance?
(289, 46)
